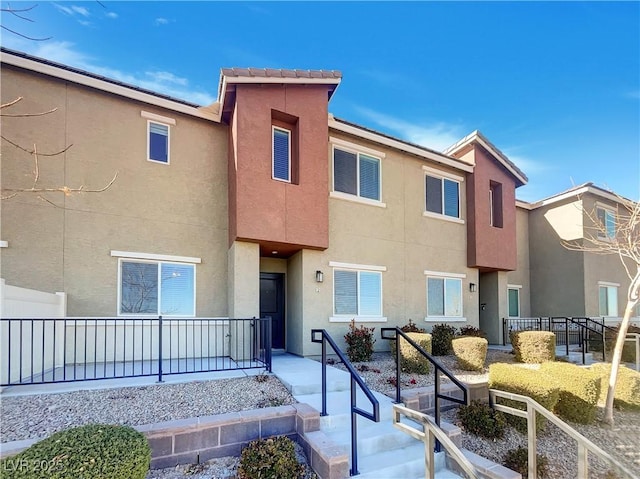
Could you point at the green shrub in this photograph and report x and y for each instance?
(472, 331)
(411, 361)
(359, 343)
(470, 352)
(534, 346)
(579, 391)
(412, 328)
(273, 458)
(518, 460)
(629, 348)
(95, 451)
(528, 382)
(480, 419)
(441, 336)
(627, 386)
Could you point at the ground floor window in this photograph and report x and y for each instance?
(608, 299)
(514, 301)
(357, 291)
(156, 288)
(444, 295)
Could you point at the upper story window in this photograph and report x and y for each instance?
(158, 144)
(607, 220)
(357, 292)
(442, 196)
(281, 154)
(495, 204)
(356, 173)
(444, 295)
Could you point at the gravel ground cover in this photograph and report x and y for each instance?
(41, 415)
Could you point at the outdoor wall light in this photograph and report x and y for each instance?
(472, 287)
(319, 276)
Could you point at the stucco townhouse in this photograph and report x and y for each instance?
(264, 203)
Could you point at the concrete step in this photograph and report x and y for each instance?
(576, 357)
(406, 462)
(302, 375)
(339, 405)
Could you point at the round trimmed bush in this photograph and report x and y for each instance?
(272, 458)
(534, 346)
(411, 361)
(627, 386)
(480, 419)
(518, 460)
(470, 352)
(95, 451)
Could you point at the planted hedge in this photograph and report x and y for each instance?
(627, 386)
(441, 337)
(411, 361)
(527, 382)
(470, 352)
(272, 458)
(533, 346)
(579, 391)
(95, 451)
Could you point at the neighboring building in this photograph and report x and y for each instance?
(265, 204)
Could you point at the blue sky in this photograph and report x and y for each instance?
(555, 86)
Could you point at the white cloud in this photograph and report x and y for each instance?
(162, 82)
(167, 77)
(112, 15)
(528, 165)
(436, 136)
(634, 94)
(161, 21)
(81, 11)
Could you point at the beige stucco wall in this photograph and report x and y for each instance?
(398, 238)
(178, 209)
(521, 275)
(605, 268)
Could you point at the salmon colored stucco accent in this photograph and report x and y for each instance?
(262, 209)
(490, 247)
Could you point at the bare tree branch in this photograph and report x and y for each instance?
(25, 36)
(16, 13)
(31, 152)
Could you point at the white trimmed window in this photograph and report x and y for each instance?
(607, 220)
(281, 154)
(442, 196)
(356, 173)
(149, 287)
(444, 296)
(608, 299)
(513, 293)
(357, 292)
(158, 144)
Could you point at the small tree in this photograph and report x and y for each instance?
(619, 234)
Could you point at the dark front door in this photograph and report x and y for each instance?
(272, 304)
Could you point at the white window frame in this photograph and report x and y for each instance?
(159, 120)
(442, 175)
(608, 285)
(273, 163)
(356, 150)
(149, 258)
(444, 276)
(516, 287)
(607, 210)
(358, 268)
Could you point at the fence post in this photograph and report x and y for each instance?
(160, 349)
(531, 444)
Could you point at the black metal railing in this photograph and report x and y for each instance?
(40, 351)
(523, 324)
(391, 334)
(325, 338)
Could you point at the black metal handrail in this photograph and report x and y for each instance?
(523, 324)
(53, 350)
(583, 326)
(355, 379)
(438, 368)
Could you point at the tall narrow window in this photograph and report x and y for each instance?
(607, 227)
(608, 300)
(281, 169)
(495, 204)
(514, 302)
(158, 142)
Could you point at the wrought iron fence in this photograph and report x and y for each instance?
(40, 351)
